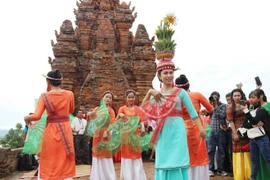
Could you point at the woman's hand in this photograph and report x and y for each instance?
(258, 87)
(123, 117)
(243, 107)
(223, 127)
(143, 129)
(203, 112)
(235, 137)
(105, 134)
(259, 124)
(27, 121)
(92, 115)
(157, 95)
(203, 134)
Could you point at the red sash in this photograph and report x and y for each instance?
(58, 119)
(161, 122)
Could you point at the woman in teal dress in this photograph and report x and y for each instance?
(172, 157)
(264, 171)
(169, 137)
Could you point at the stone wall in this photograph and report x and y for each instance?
(8, 160)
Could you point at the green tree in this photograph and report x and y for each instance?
(13, 138)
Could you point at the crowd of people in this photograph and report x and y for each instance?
(183, 150)
(193, 137)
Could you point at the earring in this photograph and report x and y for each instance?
(172, 83)
(48, 88)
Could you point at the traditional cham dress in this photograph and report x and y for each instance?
(54, 161)
(131, 161)
(197, 148)
(264, 171)
(241, 155)
(102, 165)
(172, 157)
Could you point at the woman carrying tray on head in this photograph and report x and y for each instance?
(57, 160)
(172, 157)
(131, 161)
(102, 163)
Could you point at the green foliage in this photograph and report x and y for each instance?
(165, 45)
(164, 34)
(13, 138)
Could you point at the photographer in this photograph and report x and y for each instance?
(218, 136)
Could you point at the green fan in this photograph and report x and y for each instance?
(140, 141)
(71, 118)
(145, 141)
(34, 136)
(102, 117)
(113, 144)
(129, 126)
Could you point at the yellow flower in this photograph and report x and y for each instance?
(170, 19)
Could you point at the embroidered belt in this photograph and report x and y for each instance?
(56, 119)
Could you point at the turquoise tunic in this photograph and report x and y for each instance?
(172, 157)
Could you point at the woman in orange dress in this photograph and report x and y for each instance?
(102, 162)
(131, 161)
(57, 160)
(197, 148)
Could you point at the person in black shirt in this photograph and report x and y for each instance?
(258, 117)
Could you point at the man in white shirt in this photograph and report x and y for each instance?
(79, 126)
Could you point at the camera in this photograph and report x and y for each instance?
(211, 99)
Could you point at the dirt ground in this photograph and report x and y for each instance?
(148, 167)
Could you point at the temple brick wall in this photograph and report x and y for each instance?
(101, 53)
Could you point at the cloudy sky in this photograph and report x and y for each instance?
(219, 44)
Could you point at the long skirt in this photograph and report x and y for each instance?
(172, 157)
(132, 169)
(241, 166)
(174, 174)
(198, 172)
(54, 163)
(38, 178)
(102, 168)
(264, 171)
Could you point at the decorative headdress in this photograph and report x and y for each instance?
(108, 92)
(50, 78)
(181, 81)
(165, 46)
(129, 91)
